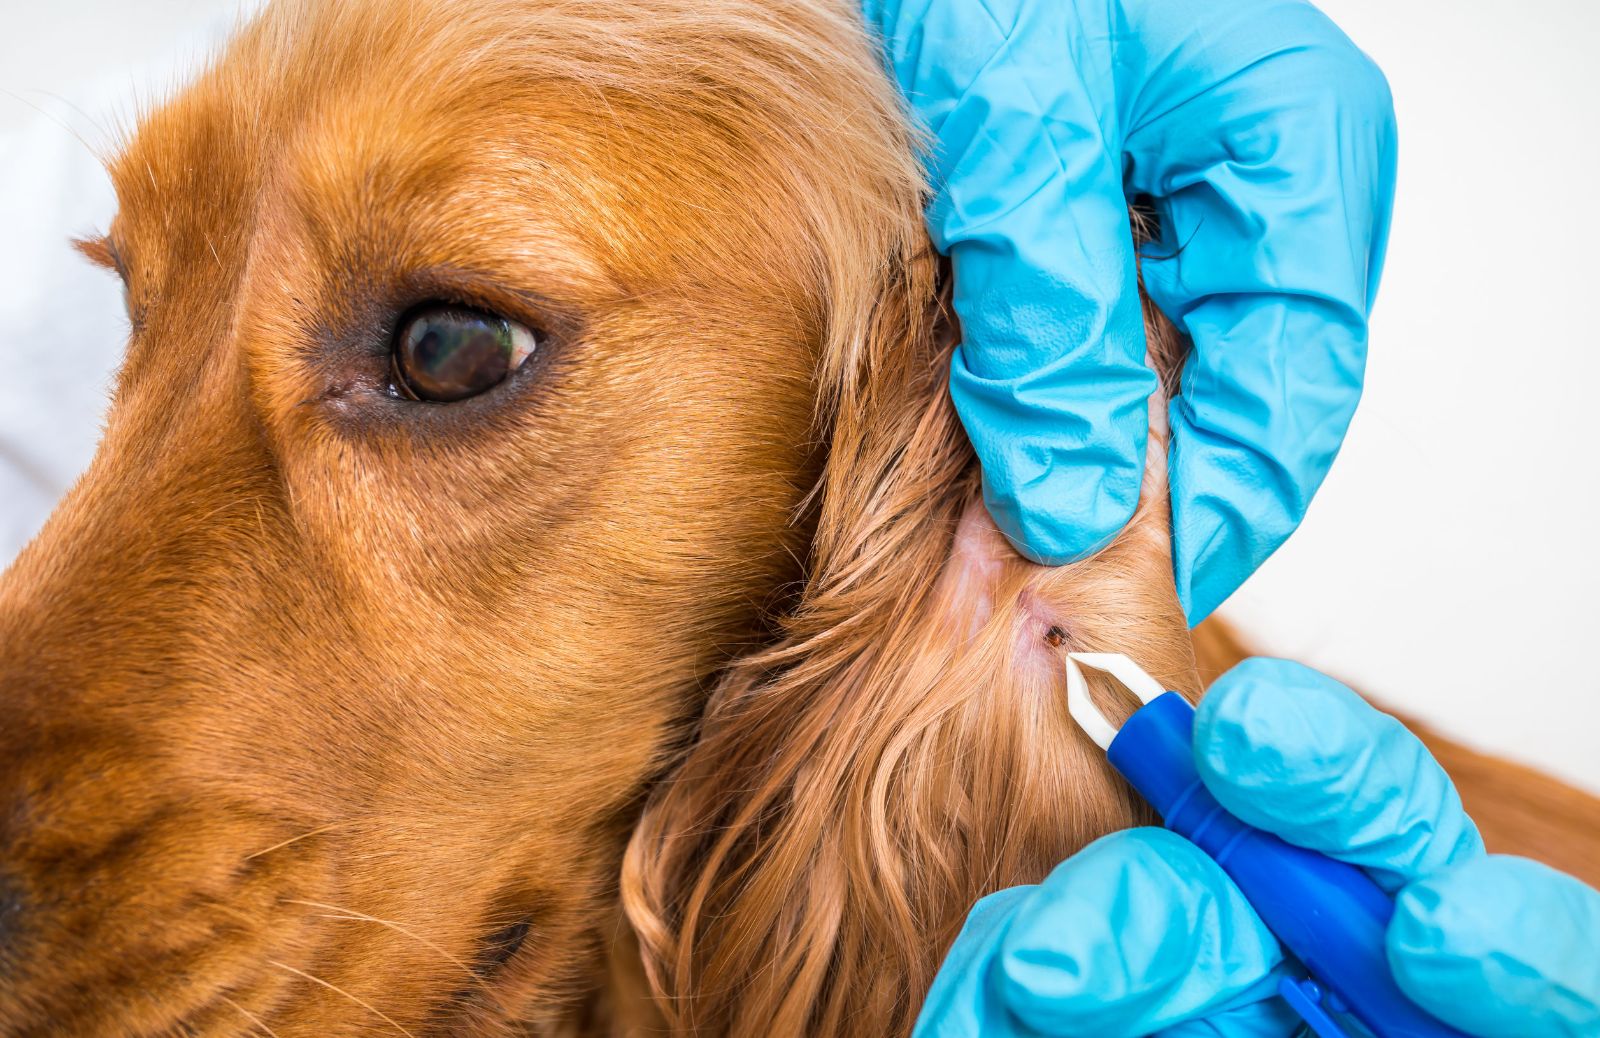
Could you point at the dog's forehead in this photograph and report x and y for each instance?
(342, 152)
(454, 127)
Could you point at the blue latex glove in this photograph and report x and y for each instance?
(1140, 933)
(1267, 141)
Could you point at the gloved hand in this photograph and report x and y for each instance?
(1140, 933)
(1267, 142)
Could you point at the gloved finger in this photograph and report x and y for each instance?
(1267, 141)
(1049, 378)
(1296, 753)
(1138, 932)
(1501, 947)
(963, 1003)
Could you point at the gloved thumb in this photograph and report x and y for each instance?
(1501, 947)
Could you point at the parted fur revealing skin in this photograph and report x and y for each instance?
(324, 712)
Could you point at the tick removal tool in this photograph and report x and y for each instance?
(1329, 915)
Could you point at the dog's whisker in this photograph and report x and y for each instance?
(369, 1007)
(254, 1019)
(319, 830)
(352, 915)
(53, 117)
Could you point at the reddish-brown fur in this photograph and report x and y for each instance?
(326, 713)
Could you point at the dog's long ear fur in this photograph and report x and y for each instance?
(904, 748)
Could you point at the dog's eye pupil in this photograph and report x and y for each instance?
(452, 352)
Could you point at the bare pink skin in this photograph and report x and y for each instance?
(983, 566)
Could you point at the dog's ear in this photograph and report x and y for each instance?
(741, 874)
(904, 749)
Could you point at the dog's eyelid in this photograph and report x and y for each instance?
(455, 287)
(544, 320)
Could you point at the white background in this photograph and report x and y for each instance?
(1450, 564)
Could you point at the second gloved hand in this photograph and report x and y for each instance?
(1266, 140)
(1141, 933)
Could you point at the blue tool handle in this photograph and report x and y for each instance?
(1330, 915)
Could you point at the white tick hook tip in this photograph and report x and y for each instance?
(1082, 708)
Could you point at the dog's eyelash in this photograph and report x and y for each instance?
(99, 250)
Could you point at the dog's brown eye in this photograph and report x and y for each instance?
(451, 352)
